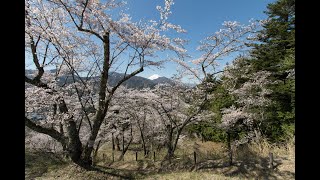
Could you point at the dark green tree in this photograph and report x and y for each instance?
(275, 53)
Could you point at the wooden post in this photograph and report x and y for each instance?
(136, 156)
(154, 156)
(270, 160)
(113, 146)
(123, 143)
(112, 156)
(195, 157)
(207, 154)
(229, 149)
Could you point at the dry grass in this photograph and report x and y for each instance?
(205, 150)
(74, 172)
(253, 160)
(250, 162)
(39, 163)
(189, 175)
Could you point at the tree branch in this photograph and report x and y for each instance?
(48, 131)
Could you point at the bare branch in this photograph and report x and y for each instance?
(49, 131)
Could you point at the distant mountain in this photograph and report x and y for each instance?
(136, 82)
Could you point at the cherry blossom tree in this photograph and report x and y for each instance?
(251, 98)
(231, 39)
(82, 40)
(136, 104)
(162, 113)
(250, 92)
(177, 107)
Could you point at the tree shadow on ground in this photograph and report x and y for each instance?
(113, 172)
(251, 165)
(37, 163)
(138, 168)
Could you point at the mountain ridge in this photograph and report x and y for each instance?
(135, 82)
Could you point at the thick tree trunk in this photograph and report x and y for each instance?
(71, 142)
(172, 146)
(74, 146)
(87, 159)
(103, 103)
(170, 149)
(170, 153)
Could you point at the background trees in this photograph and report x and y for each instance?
(261, 81)
(276, 53)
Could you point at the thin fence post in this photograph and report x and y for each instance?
(154, 156)
(229, 148)
(270, 160)
(207, 154)
(112, 156)
(123, 143)
(195, 157)
(136, 156)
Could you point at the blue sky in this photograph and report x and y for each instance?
(199, 17)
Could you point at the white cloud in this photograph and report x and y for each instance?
(155, 76)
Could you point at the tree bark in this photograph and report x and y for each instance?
(74, 145)
(117, 143)
(103, 104)
(170, 151)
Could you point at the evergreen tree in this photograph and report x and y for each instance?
(276, 53)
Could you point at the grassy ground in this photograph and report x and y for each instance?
(250, 162)
(39, 163)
